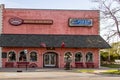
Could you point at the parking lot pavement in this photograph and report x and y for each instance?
(51, 74)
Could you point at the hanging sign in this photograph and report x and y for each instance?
(18, 21)
(80, 22)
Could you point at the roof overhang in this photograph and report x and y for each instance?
(36, 40)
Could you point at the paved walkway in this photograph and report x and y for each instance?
(52, 74)
(103, 69)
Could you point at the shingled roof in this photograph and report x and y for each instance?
(35, 40)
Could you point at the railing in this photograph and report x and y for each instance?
(22, 64)
(9, 64)
(89, 64)
(79, 65)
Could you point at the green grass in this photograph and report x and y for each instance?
(85, 70)
(112, 72)
(111, 65)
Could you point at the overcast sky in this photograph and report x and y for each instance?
(49, 4)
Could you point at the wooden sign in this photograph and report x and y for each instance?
(18, 21)
(26, 21)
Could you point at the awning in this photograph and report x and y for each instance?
(68, 41)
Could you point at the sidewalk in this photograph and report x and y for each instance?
(28, 69)
(102, 69)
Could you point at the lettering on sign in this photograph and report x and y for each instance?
(17, 21)
(38, 21)
(80, 22)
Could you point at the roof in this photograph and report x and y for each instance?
(36, 40)
(52, 9)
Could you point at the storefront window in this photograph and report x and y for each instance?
(89, 57)
(68, 56)
(78, 57)
(33, 56)
(11, 56)
(23, 56)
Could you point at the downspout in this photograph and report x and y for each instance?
(1, 25)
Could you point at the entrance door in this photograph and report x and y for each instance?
(50, 59)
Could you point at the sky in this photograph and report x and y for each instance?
(49, 4)
(53, 4)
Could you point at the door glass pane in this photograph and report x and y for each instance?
(52, 59)
(46, 59)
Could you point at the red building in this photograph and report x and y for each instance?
(49, 38)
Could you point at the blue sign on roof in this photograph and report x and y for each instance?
(80, 22)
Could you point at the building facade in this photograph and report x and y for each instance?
(50, 38)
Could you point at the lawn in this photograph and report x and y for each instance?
(111, 65)
(112, 72)
(113, 69)
(85, 70)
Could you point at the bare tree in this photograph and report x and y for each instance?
(110, 14)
